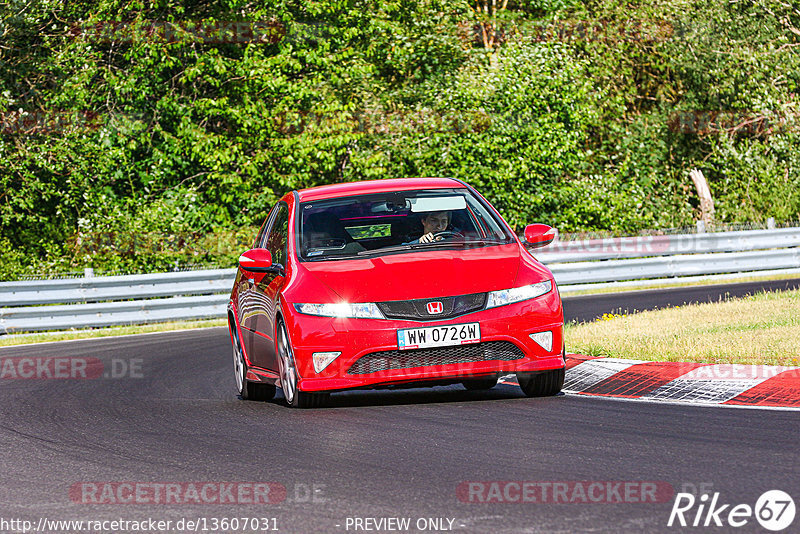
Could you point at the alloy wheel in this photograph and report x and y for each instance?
(238, 365)
(288, 370)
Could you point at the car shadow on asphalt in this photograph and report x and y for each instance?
(425, 395)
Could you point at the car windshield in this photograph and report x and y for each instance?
(396, 222)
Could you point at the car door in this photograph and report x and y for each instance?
(245, 282)
(265, 289)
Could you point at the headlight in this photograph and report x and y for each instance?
(518, 294)
(363, 310)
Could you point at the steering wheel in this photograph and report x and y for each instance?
(326, 242)
(447, 234)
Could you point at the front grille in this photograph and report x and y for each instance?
(406, 359)
(418, 311)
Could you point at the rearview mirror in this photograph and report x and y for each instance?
(258, 260)
(539, 235)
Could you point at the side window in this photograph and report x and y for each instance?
(278, 240)
(259, 242)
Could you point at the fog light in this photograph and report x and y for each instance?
(544, 339)
(323, 360)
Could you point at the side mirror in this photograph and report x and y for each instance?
(258, 260)
(539, 235)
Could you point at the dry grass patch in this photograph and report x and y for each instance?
(759, 329)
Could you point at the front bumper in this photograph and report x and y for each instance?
(356, 338)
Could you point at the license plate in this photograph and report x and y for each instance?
(438, 336)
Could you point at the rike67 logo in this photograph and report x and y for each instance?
(774, 510)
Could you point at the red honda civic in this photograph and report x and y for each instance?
(408, 282)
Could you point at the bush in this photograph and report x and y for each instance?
(568, 117)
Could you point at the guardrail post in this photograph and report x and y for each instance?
(701, 227)
(771, 223)
(88, 272)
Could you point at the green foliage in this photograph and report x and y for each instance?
(140, 150)
(752, 177)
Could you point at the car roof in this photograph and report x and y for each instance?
(375, 186)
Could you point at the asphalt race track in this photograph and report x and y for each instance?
(166, 413)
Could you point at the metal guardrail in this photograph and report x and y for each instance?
(756, 261)
(113, 300)
(68, 316)
(667, 245)
(30, 306)
(105, 288)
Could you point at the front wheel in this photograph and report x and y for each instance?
(545, 384)
(293, 396)
(248, 390)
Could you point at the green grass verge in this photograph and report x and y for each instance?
(108, 332)
(760, 329)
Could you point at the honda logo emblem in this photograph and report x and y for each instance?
(435, 307)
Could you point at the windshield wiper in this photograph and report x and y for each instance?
(467, 242)
(393, 248)
(484, 241)
(433, 244)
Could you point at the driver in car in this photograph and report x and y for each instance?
(432, 223)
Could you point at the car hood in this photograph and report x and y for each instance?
(426, 274)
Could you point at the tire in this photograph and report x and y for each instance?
(480, 384)
(248, 390)
(545, 384)
(288, 372)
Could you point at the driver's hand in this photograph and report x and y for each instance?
(427, 238)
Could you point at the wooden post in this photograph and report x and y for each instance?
(706, 201)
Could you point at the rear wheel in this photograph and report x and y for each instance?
(248, 390)
(293, 396)
(480, 384)
(543, 384)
